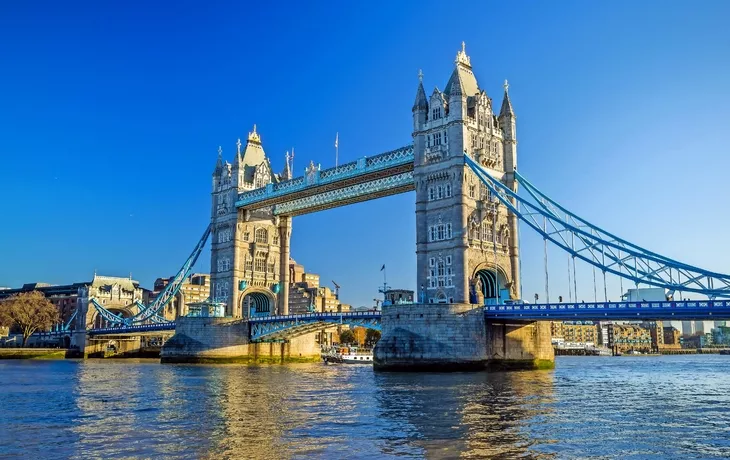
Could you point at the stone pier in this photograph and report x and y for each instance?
(456, 337)
(225, 340)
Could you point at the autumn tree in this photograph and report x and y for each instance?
(29, 311)
(347, 337)
(371, 337)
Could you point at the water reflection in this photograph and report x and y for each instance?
(467, 415)
(670, 407)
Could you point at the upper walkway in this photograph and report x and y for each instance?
(365, 179)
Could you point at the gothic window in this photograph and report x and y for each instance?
(246, 236)
(448, 260)
(432, 282)
(260, 262)
(271, 268)
(436, 113)
(432, 273)
(224, 264)
(249, 265)
(440, 232)
(440, 269)
(440, 192)
(486, 232)
(473, 141)
(448, 231)
(472, 191)
(432, 234)
(276, 239)
(428, 140)
(431, 194)
(261, 235)
(431, 262)
(448, 190)
(437, 139)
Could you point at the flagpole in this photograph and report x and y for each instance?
(337, 148)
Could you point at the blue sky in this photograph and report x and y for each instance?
(111, 115)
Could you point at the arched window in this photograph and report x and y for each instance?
(448, 231)
(448, 190)
(261, 235)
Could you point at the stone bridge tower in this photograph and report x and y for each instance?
(250, 248)
(467, 247)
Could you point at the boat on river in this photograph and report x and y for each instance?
(347, 355)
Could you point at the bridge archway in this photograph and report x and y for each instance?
(489, 285)
(257, 303)
(99, 321)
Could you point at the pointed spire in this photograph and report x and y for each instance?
(238, 145)
(219, 162)
(254, 136)
(506, 109)
(286, 174)
(421, 101)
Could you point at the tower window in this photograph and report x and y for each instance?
(261, 235)
(472, 191)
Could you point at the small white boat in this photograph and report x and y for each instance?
(347, 355)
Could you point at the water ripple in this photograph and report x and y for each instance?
(597, 408)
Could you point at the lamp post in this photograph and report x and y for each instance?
(423, 295)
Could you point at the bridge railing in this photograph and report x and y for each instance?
(611, 309)
(315, 316)
(364, 165)
(131, 329)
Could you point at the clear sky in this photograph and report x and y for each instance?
(111, 114)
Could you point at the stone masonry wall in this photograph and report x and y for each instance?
(431, 337)
(226, 340)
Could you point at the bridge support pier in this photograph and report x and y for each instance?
(226, 340)
(456, 337)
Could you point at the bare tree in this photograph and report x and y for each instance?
(30, 311)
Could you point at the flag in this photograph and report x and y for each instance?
(337, 140)
(382, 268)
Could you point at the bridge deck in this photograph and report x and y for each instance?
(609, 311)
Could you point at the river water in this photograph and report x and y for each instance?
(588, 407)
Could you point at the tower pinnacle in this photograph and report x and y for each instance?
(254, 136)
(461, 57)
(420, 75)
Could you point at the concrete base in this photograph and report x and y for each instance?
(225, 340)
(455, 337)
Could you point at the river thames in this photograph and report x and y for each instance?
(588, 407)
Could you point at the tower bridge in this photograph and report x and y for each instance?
(462, 165)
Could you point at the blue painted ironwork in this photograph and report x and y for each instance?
(272, 328)
(362, 166)
(599, 248)
(358, 192)
(132, 329)
(145, 313)
(613, 311)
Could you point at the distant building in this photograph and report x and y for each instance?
(629, 337)
(656, 331)
(196, 288)
(579, 332)
(306, 294)
(672, 338)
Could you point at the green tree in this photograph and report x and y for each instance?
(29, 311)
(347, 337)
(371, 337)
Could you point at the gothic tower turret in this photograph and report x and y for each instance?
(245, 253)
(463, 236)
